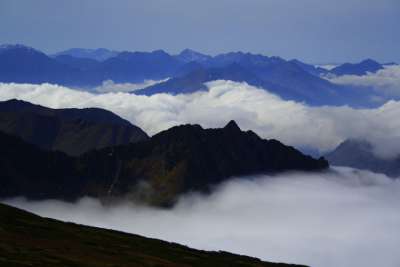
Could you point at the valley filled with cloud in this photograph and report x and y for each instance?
(343, 217)
(238, 133)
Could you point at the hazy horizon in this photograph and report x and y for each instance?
(310, 30)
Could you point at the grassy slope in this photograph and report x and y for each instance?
(30, 240)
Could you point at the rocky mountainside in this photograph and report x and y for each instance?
(73, 131)
(359, 154)
(155, 171)
(30, 240)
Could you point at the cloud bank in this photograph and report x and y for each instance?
(385, 81)
(296, 124)
(344, 218)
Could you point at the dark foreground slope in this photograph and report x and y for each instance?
(30, 240)
(156, 171)
(73, 131)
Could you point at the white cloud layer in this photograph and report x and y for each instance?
(385, 81)
(346, 218)
(268, 115)
(110, 86)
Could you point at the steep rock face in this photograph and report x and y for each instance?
(155, 171)
(73, 131)
(359, 154)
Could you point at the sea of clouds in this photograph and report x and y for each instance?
(293, 123)
(344, 218)
(385, 81)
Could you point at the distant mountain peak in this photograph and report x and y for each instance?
(189, 51)
(361, 68)
(369, 61)
(359, 154)
(160, 51)
(189, 55)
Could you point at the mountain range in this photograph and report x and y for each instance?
(99, 54)
(188, 71)
(155, 171)
(29, 240)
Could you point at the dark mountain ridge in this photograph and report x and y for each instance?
(73, 131)
(155, 171)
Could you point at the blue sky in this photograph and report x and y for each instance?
(317, 31)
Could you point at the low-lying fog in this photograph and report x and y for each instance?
(346, 218)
